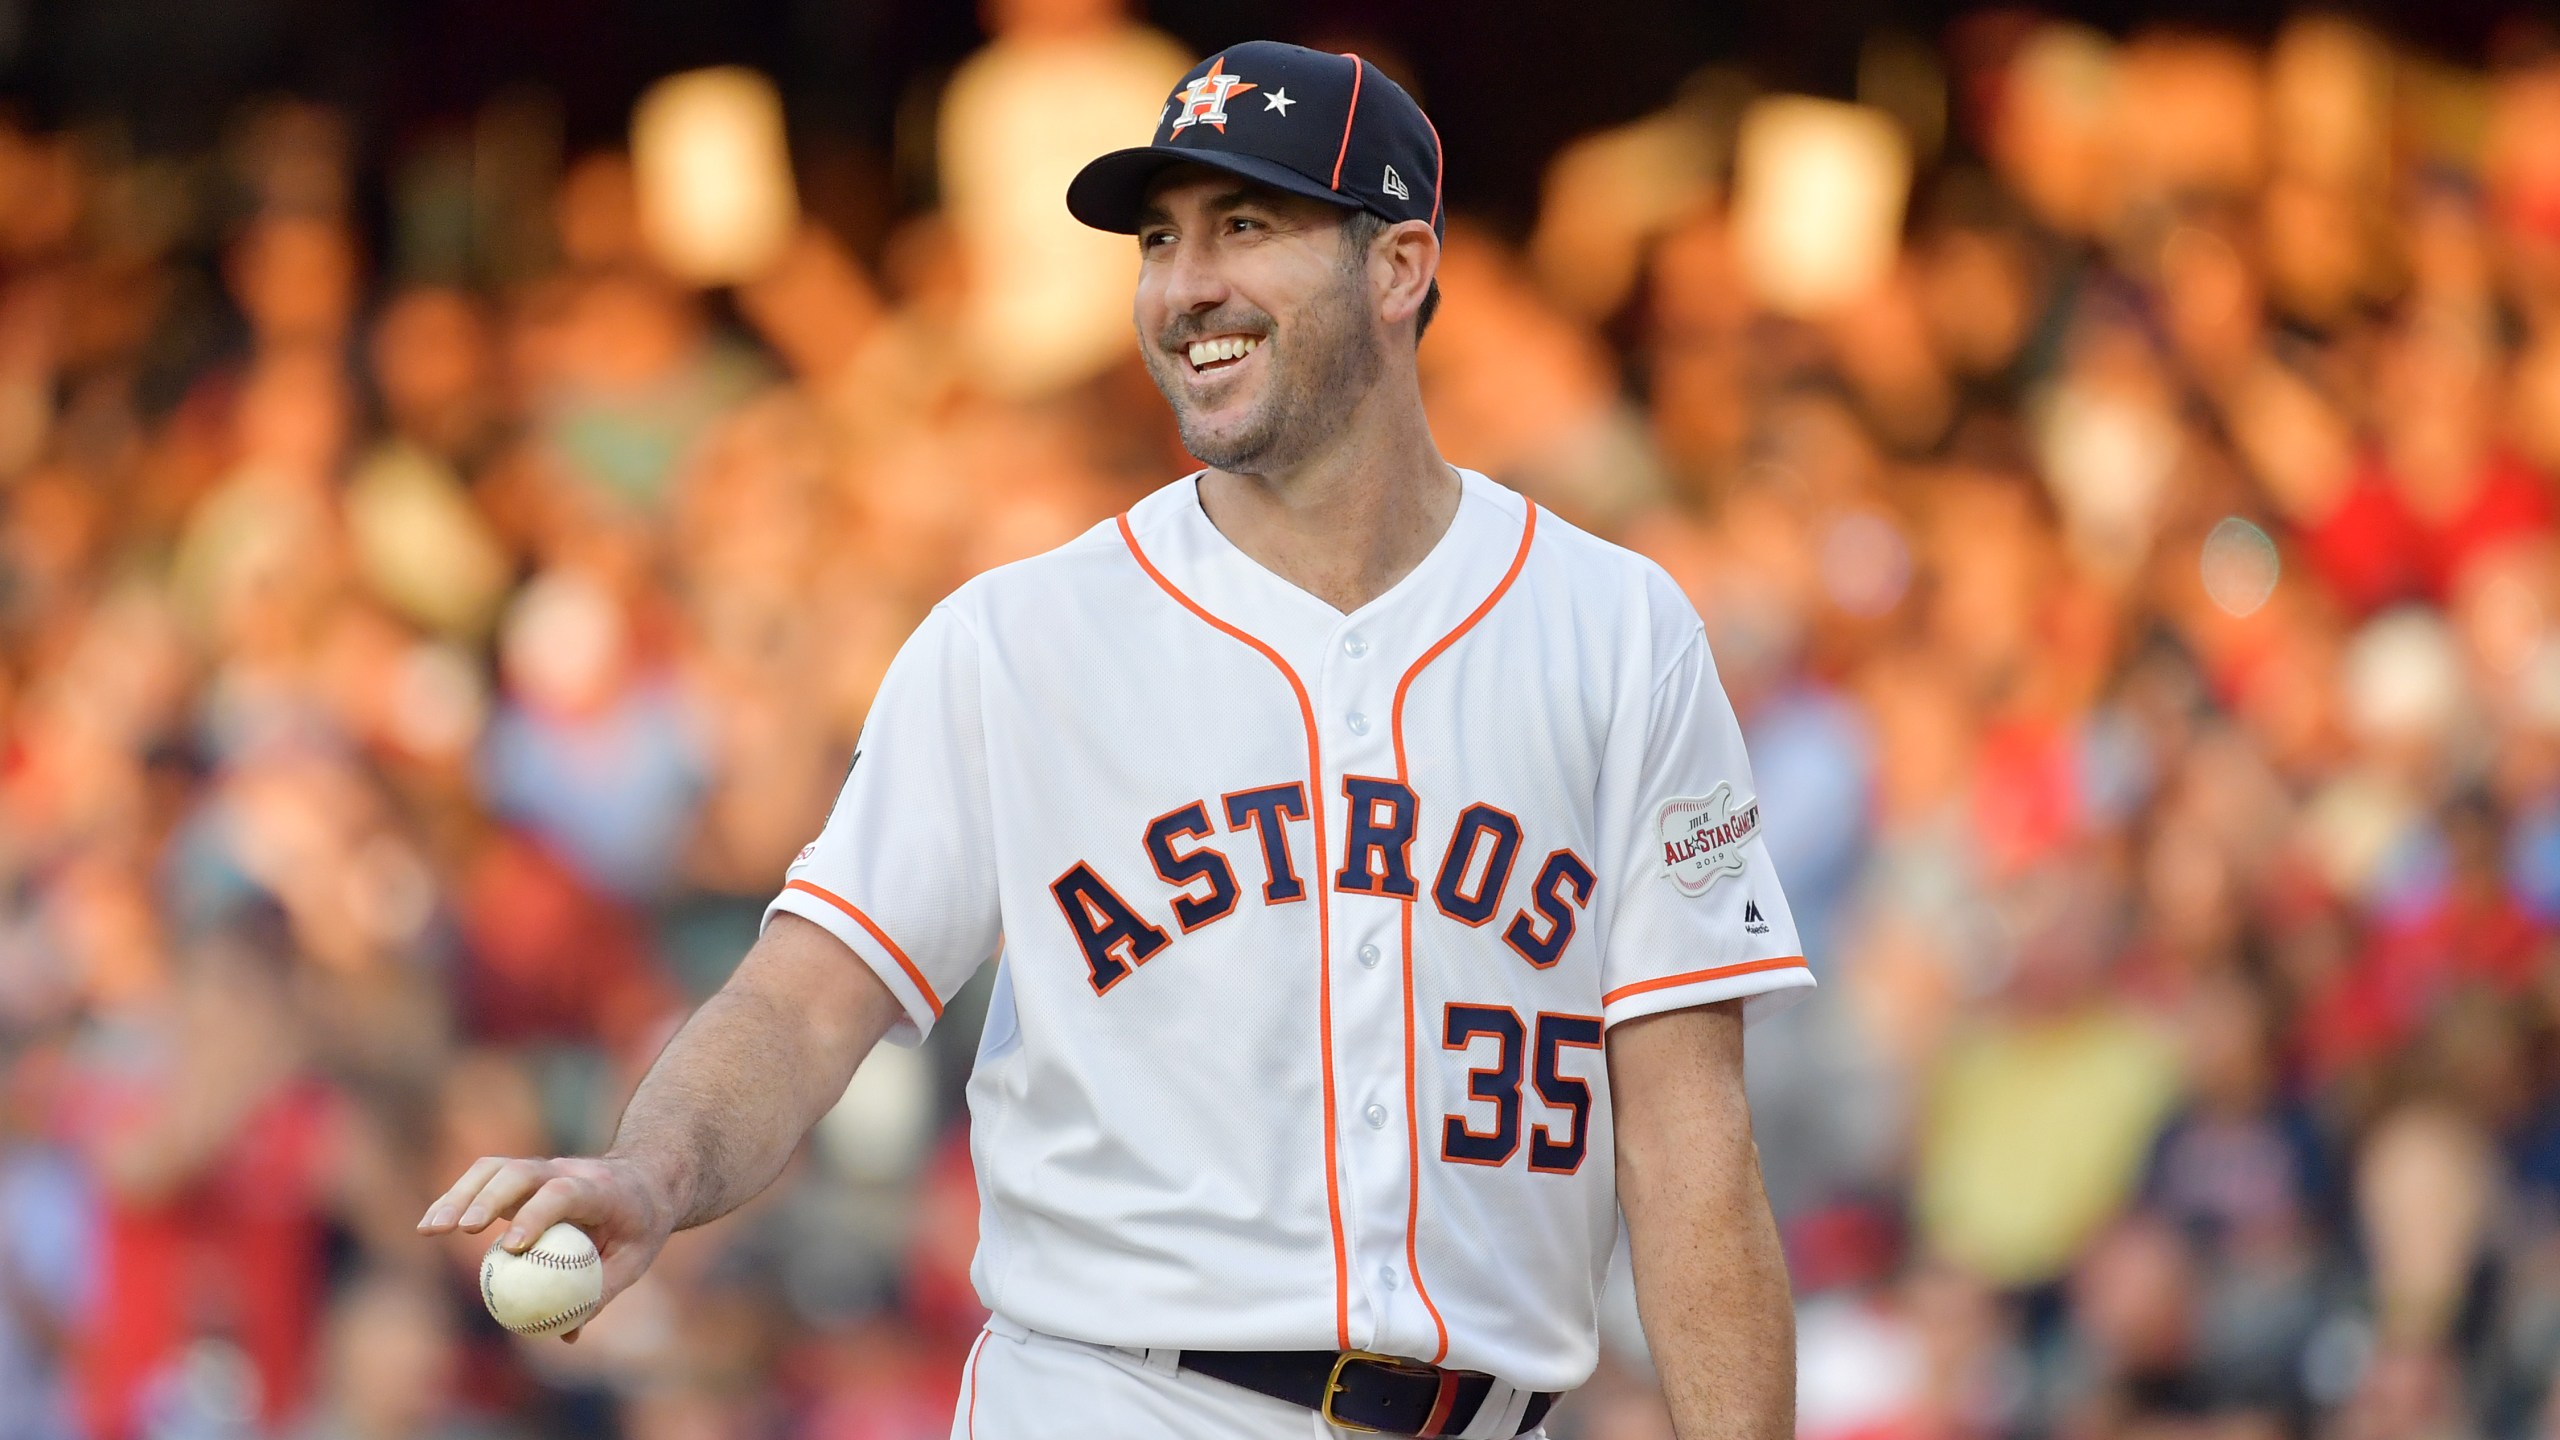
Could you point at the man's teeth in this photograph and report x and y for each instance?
(1224, 347)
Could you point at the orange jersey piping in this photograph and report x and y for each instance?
(1413, 1122)
(1700, 977)
(932, 1002)
(1324, 918)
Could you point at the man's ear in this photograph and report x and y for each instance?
(1403, 261)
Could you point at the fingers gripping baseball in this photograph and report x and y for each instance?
(506, 1193)
(608, 1202)
(560, 1197)
(450, 1207)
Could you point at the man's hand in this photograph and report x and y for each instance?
(713, 1121)
(612, 1199)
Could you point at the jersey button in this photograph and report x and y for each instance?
(1368, 957)
(1377, 1117)
(1355, 646)
(1358, 720)
(1388, 1279)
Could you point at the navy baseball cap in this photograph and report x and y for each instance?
(1329, 127)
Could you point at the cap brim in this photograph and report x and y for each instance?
(1108, 192)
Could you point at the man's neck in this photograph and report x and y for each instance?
(1351, 519)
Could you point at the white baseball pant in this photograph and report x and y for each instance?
(1025, 1385)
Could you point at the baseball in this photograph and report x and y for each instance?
(553, 1286)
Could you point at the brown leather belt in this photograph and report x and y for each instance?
(1356, 1390)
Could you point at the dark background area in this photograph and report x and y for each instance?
(1507, 82)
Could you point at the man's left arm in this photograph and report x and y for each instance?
(1711, 1281)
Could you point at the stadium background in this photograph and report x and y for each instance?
(446, 548)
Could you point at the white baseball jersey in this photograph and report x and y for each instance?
(1313, 924)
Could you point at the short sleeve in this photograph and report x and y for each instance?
(902, 871)
(1698, 914)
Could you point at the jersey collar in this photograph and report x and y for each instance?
(1467, 561)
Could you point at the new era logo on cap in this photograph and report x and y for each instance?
(1327, 123)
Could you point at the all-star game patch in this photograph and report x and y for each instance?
(1702, 838)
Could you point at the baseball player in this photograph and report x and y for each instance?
(1375, 865)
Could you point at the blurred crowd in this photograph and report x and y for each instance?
(427, 631)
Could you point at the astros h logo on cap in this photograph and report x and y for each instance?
(1329, 127)
(1204, 101)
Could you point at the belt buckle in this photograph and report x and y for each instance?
(1333, 1385)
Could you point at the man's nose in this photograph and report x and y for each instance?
(1195, 283)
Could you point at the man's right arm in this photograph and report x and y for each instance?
(715, 1119)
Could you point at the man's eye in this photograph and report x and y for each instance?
(1154, 238)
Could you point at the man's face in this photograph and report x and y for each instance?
(1254, 320)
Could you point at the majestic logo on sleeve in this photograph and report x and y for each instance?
(1204, 101)
(1702, 839)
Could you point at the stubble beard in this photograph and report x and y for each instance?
(1328, 362)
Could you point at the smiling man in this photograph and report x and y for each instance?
(1375, 862)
